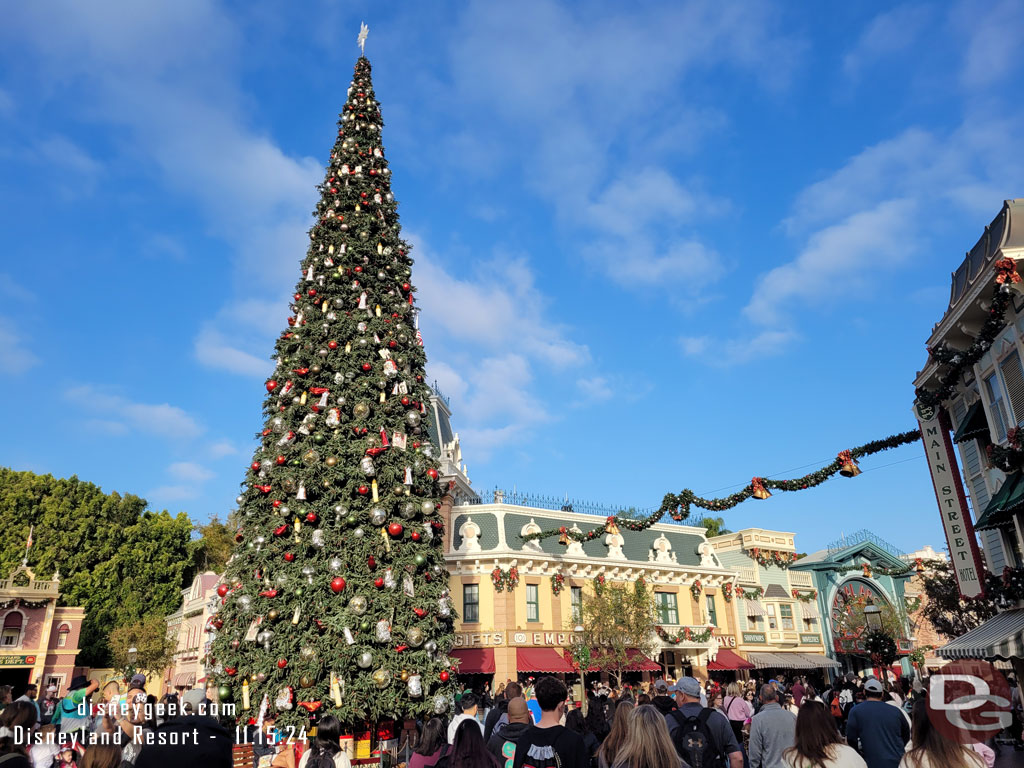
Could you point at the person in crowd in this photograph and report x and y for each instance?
(787, 703)
(818, 743)
(876, 730)
(469, 749)
(718, 745)
(772, 731)
(486, 700)
(737, 709)
(810, 694)
(548, 743)
(647, 743)
(928, 748)
(718, 702)
(210, 747)
(73, 712)
(500, 693)
(101, 756)
(797, 690)
(502, 744)
(596, 723)
(325, 748)
(496, 718)
(662, 697)
(574, 722)
(49, 704)
(31, 691)
(6, 694)
(642, 699)
(107, 714)
(67, 757)
(43, 753)
(616, 737)
(468, 705)
(132, 720)
(431, 746)
(14, 752)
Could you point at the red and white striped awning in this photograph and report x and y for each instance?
(810, 610)
(753, 608)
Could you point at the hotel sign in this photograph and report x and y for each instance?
(755, 637)
(16, 661)
(949, 492)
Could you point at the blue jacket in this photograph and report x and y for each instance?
(879, 731)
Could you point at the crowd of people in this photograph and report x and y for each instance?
(689, 723)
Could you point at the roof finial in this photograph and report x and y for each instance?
(363, 32)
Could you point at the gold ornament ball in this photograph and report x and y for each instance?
(405, 675)
(381, 678)
(272, 614)
(331, 461)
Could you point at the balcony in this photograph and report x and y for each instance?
(747, 575)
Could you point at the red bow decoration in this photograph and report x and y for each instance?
(1006, 271)
(310, 706)
(268, 593)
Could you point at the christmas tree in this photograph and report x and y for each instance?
(336, 599)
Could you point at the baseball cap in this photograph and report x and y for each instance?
(872, 684)
(193, 699)
(688, 686)
(661, 686)
(138, 680)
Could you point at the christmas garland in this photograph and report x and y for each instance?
(557, 583)
(677, 505)
(767, 557)
(727, 591)
(695, 589)
(958, 361)
(688, 635)
(17, 602)
(881, 647)
(749, 593)
(868, 571)
(805, 596)
(1009, 457)
(917, 656)
(913, 603)
(503, 580)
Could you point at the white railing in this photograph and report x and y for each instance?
(747, 575)
(36, 587)
(799, 579)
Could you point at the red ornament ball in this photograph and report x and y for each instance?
(222, 590)
(282, 663)
(405, 400)
(395, 529)
(358, 269)
(366, 367)
(289, 557)
(271, 385)
(363, 490)
(415, 536)
(332, 344)
(232, 671)
(280, 460)
(378, 582)
(406, 287)
(255, 466)
(432, 473)
(371, 562)
(337, 584)
(311, 517)
(444, 676)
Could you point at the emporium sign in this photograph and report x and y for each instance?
(496, 639)
(949, 492)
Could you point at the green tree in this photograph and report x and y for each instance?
(340, 571)
(948, 613)
(715, 526)
(213, 547)
(853, 621)
(116, 560)
(142, 646)
(618, 621)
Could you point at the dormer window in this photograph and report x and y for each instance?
(62, 635)
(11, 635)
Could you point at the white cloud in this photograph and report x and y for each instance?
(69, 157)
(888, 33)
(12, 289)
(189, 472)
(166, 494)
(15, 357)
(993, 33)
(161, 419)
(214, 351)
(595, 389)
(222, 448)
(237, 338)
(730, 352)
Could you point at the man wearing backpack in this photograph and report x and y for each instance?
(702, 736)
(772, 731)
(549, 744)
(74, 713)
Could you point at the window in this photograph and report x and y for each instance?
(532, 603)
(11, 635)
(576, 600)
(1013, 380)
(471, 602)
(786, 614)
(62, 635)
(712, 613)
(668, 612)
(770, 610)
(995, 400)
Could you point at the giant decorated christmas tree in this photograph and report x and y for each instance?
(336, 598)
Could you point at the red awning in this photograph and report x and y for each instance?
(727, 659)
(541, 660)
(635, 662)
(474, 661)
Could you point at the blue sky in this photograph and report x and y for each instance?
(669, 245)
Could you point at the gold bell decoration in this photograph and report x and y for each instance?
(760, 492)
(563, 536)
(610, 525)
(849, 466)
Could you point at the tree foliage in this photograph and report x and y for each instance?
(153, 647)
(715, 526)
(116, 560)
(948, 613)
(853, 621)
(213, 547)
(618, 619)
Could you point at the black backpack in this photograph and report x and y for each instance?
(694, 742)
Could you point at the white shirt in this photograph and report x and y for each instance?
(457, 721)
(840, 756)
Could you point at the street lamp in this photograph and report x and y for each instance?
(873, 615)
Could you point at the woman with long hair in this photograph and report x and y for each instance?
(101, 756)
(596, 722)
(647, 744)
(17, 714)
(325, 748)
(431, 744)
(575, 723)
(615, 738)
(469, 749)
(817, 743)
(928, 748)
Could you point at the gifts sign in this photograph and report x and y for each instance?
(949, 492)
